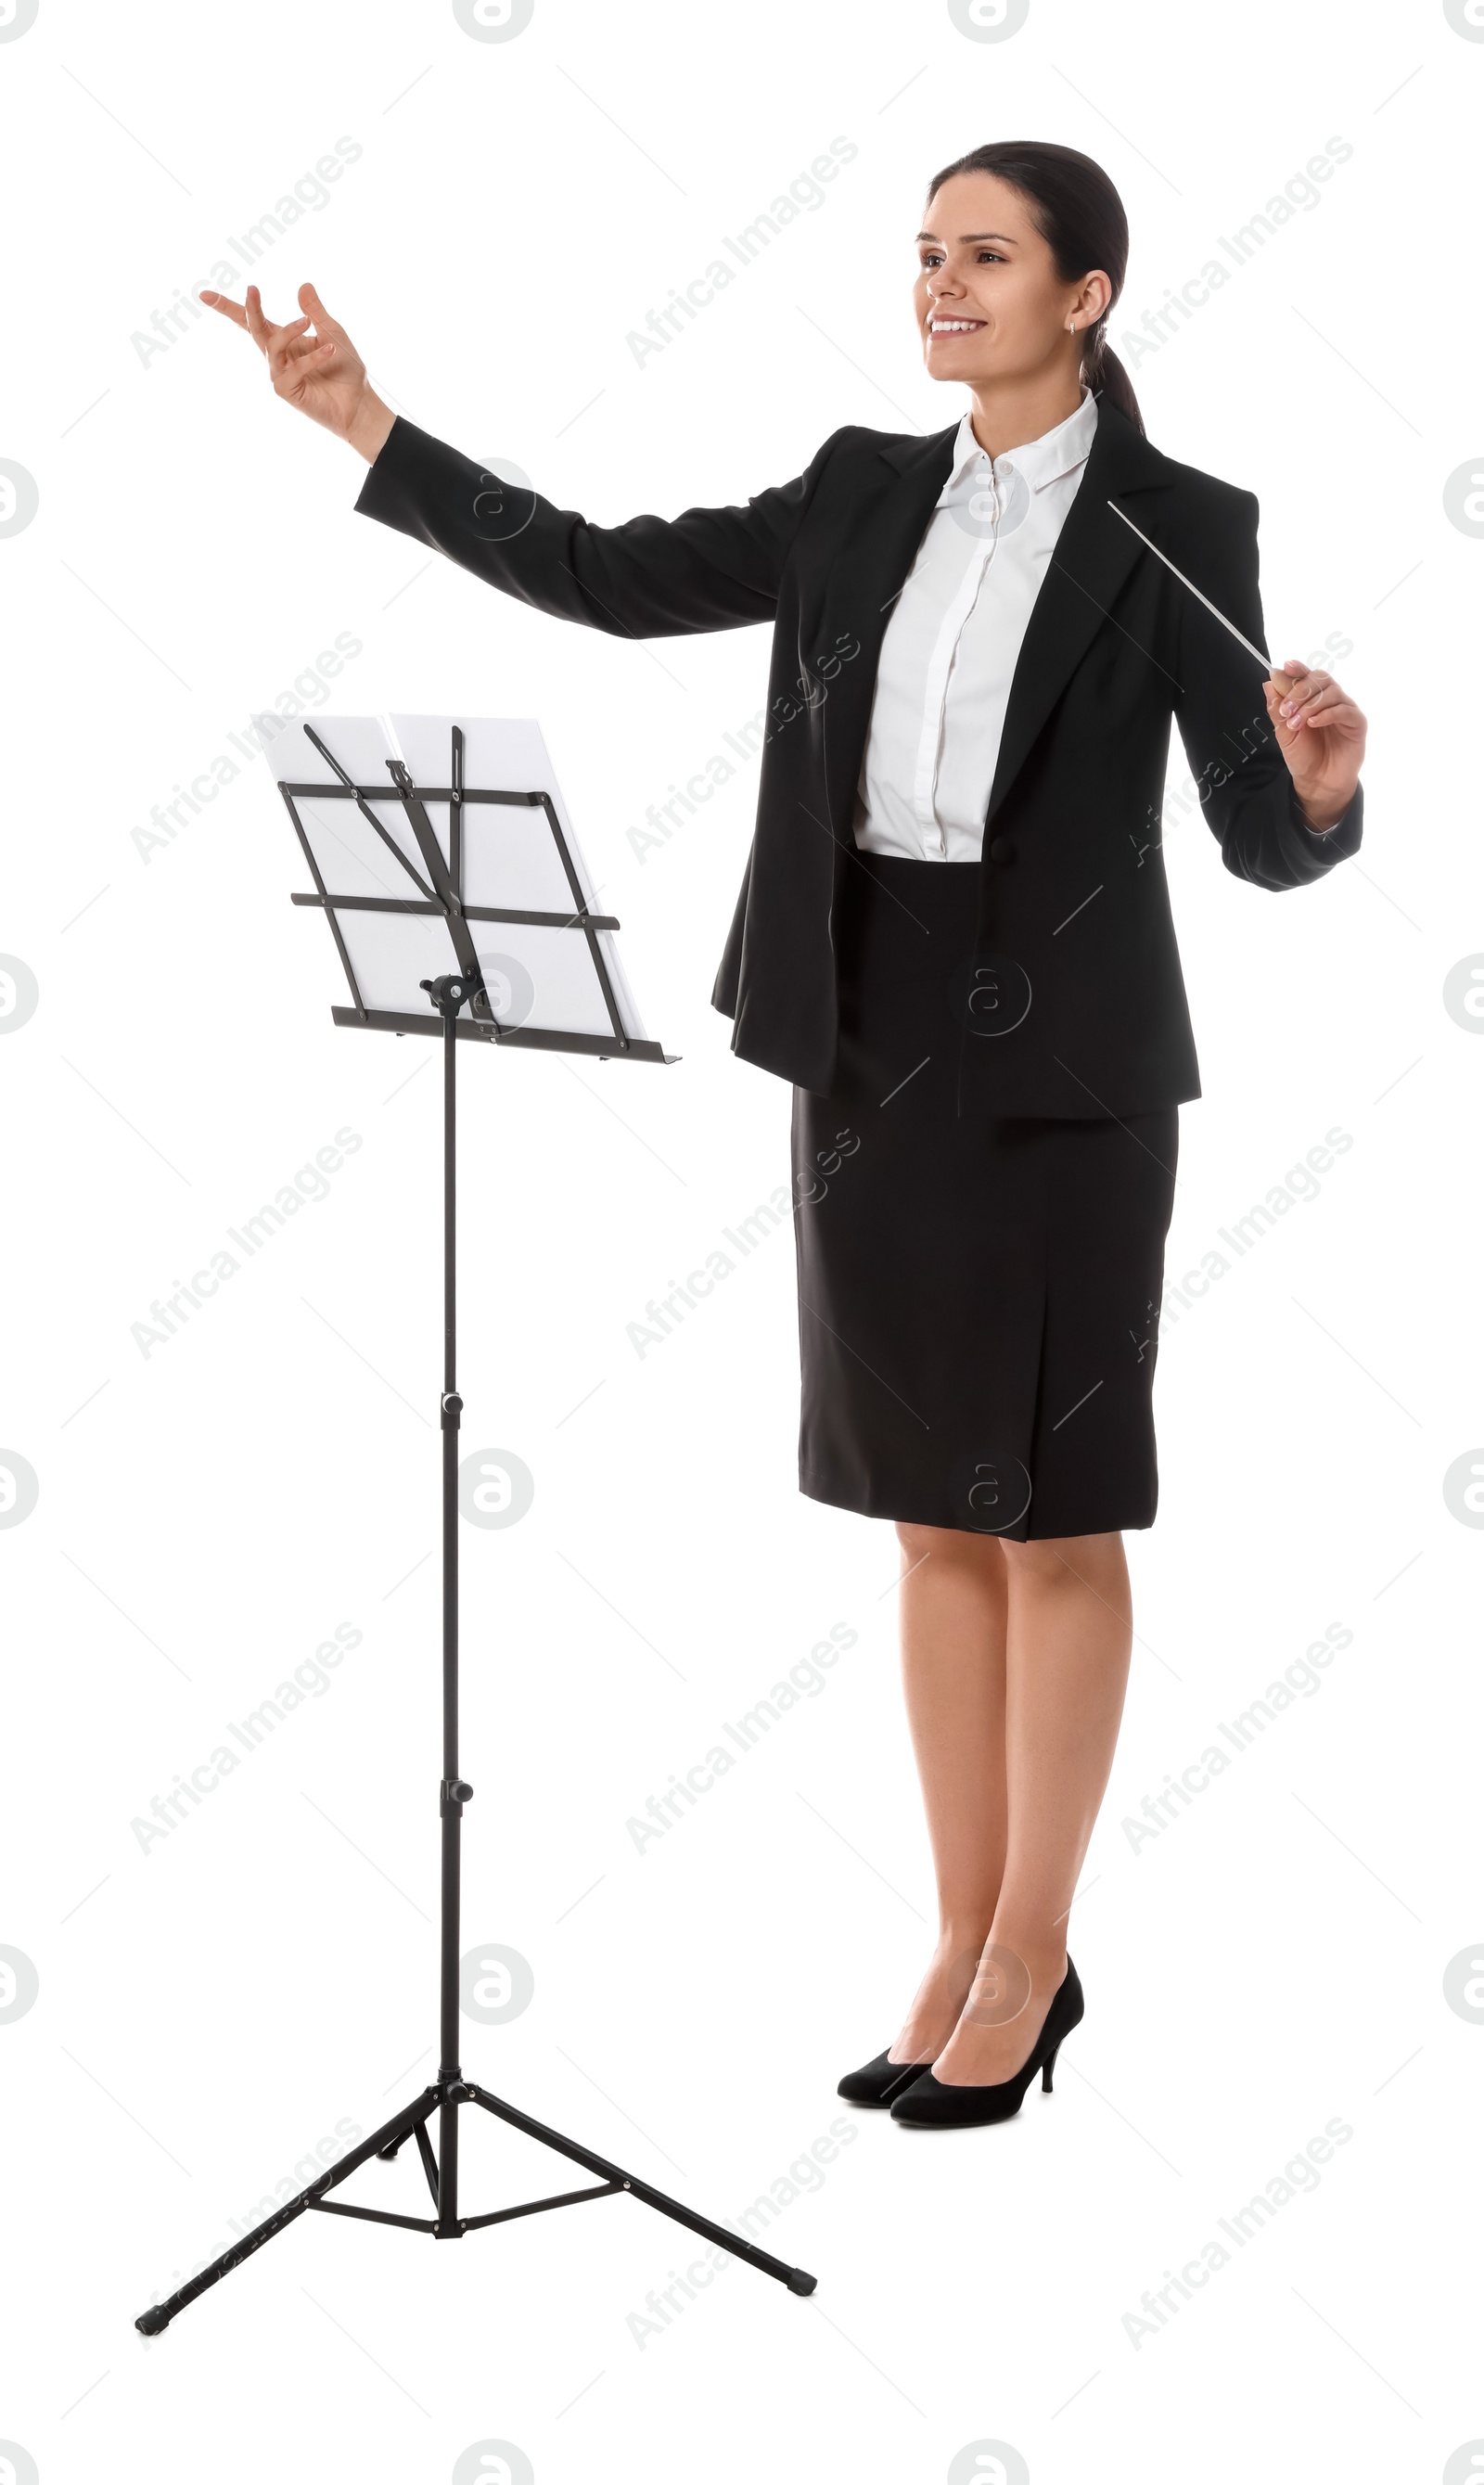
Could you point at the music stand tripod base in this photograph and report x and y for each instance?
(444, 2099)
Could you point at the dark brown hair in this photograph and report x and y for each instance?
(1079, 213)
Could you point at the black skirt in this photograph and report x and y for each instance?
(978, 1295)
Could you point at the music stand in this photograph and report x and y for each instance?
(394, 868)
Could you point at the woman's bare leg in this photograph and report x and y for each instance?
(953, 1597)
(1068, 1650)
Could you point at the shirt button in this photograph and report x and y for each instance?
(1001, 850)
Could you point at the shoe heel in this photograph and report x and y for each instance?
(1047, 2067)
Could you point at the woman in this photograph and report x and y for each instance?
(954, 939)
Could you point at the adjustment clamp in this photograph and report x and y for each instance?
(452, 1795)
(448, 993)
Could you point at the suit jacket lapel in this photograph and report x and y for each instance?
(1094, 554)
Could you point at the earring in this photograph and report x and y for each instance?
(1071, 327)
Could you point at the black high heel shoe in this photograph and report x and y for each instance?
(878, 2082)
(934, 2106)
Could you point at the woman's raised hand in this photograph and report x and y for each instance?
(321, 373)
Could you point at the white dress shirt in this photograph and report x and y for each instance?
(949, 650)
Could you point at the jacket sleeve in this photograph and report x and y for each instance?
(1243, 785)
(650, 578)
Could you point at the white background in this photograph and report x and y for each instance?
(211, 2008)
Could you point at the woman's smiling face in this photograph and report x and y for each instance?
(990, 304)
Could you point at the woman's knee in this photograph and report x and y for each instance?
(944, 1544)
(1050, 1560)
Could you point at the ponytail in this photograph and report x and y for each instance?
(1080, 214)
(1107, 378)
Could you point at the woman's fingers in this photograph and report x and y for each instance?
(263, 331)
(280, 342)
(324, 325)
(224, 303)
(1325, 704)
(1332, 708)
(249, 316)
(1303, 684)
(288, 348)
(1315, 694)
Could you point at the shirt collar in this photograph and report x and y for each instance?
(1043, 461)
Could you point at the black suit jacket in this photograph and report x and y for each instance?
(1072, 890)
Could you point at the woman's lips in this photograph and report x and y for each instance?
(946, 327)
